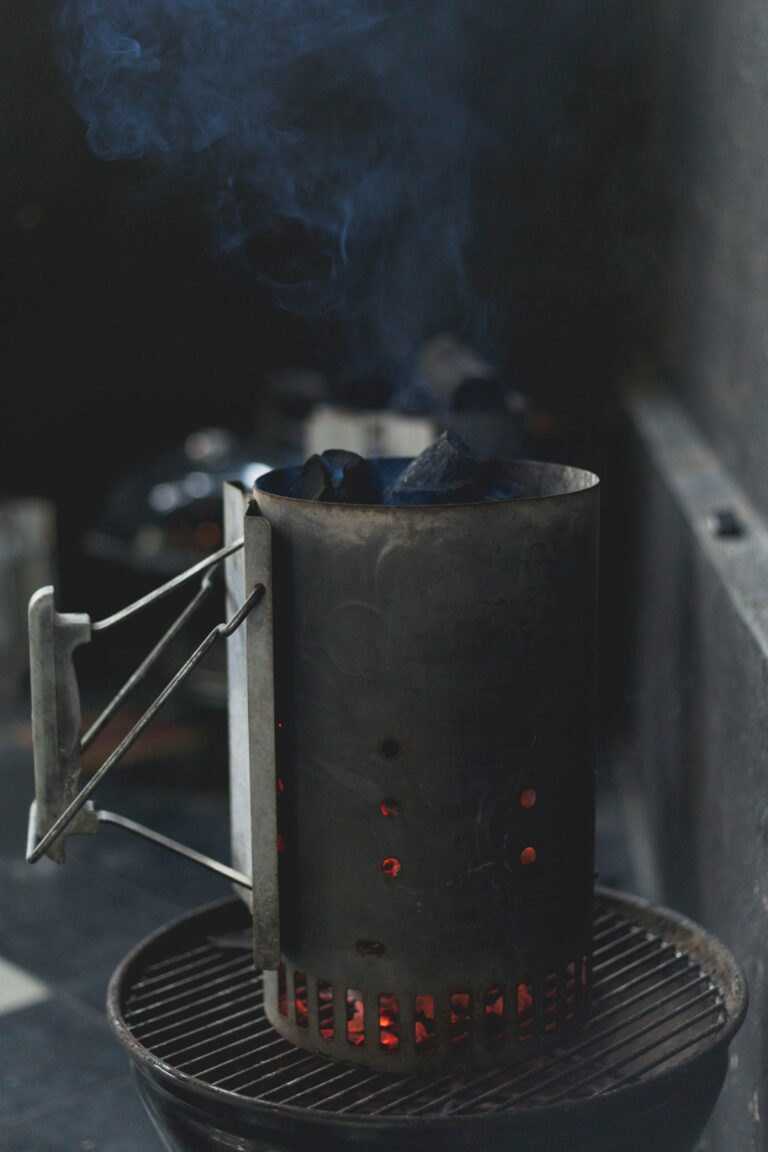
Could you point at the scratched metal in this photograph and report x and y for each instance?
(440, 658)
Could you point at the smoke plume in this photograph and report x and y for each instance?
(332, 139)
(336, 143)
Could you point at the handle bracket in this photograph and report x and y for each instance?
(59, 809)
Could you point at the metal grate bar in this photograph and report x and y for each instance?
(540, 1071)
(672, 962)
(238, 1058)
(617, 1028)
(177, 993)
(250, 995)
(248, 1022)
(251, 1012)
(643, 994)
(667, 1057)
(236, 1038)
(296, 1083)
(181, 1011)
(619, 1064)
(646, 956)
(138, 1000)
(290, 1053)
(181, 957)
(202, 1012)
(525, 1074)
(137, 991)
(638, 948)
(356, 1085)
(621, 931)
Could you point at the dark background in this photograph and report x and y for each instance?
(121, 332)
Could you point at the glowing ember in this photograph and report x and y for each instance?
(524, 1012)
(460, 1017)
(528, 856)
(424, 1023)
(528, 798)
(280, 786)
(391, 867)
(302, 999)
(355, 1017)
(494, 1015)
(325, 1009)
(389, 1019)
(389, 808)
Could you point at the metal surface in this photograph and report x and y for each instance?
(140, 830)
(61, 806)
(53, 637)
(695, 777)
(262, 766)
(169, 587)
(432, 666)
(644, 1075)
(235, 506)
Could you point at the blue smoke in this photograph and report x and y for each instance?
(337, 144)
(332, 140)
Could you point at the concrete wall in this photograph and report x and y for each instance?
(696, 771)
(695, 776)
(714, 87)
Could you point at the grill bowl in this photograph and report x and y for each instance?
(643, 1076)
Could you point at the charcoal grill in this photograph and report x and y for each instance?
(643, 1077)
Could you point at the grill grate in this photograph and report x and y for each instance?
(200, 1011)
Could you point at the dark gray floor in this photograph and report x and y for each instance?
(64, 1082)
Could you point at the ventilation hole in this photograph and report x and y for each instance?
(528, 855)
(570, 991)
(282, 991)
(280, 842)
(424, 1023)
(389, 1021)
(325, 1009)
(280, 786)
(390, 748)
(301, 999)
(461, 1019)
(355, 1017)
(391, 867)
(493, 1015)
(528, 798)
(550, 1002)
(524, 1011)
(389, 808)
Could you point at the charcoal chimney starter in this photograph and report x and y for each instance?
(412, 761)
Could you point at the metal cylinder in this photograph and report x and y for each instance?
(434, 672)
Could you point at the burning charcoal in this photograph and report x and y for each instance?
(313, 481)
(335, 477)
(351, 477)
(444, 473)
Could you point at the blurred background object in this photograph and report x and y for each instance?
(27, 562)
